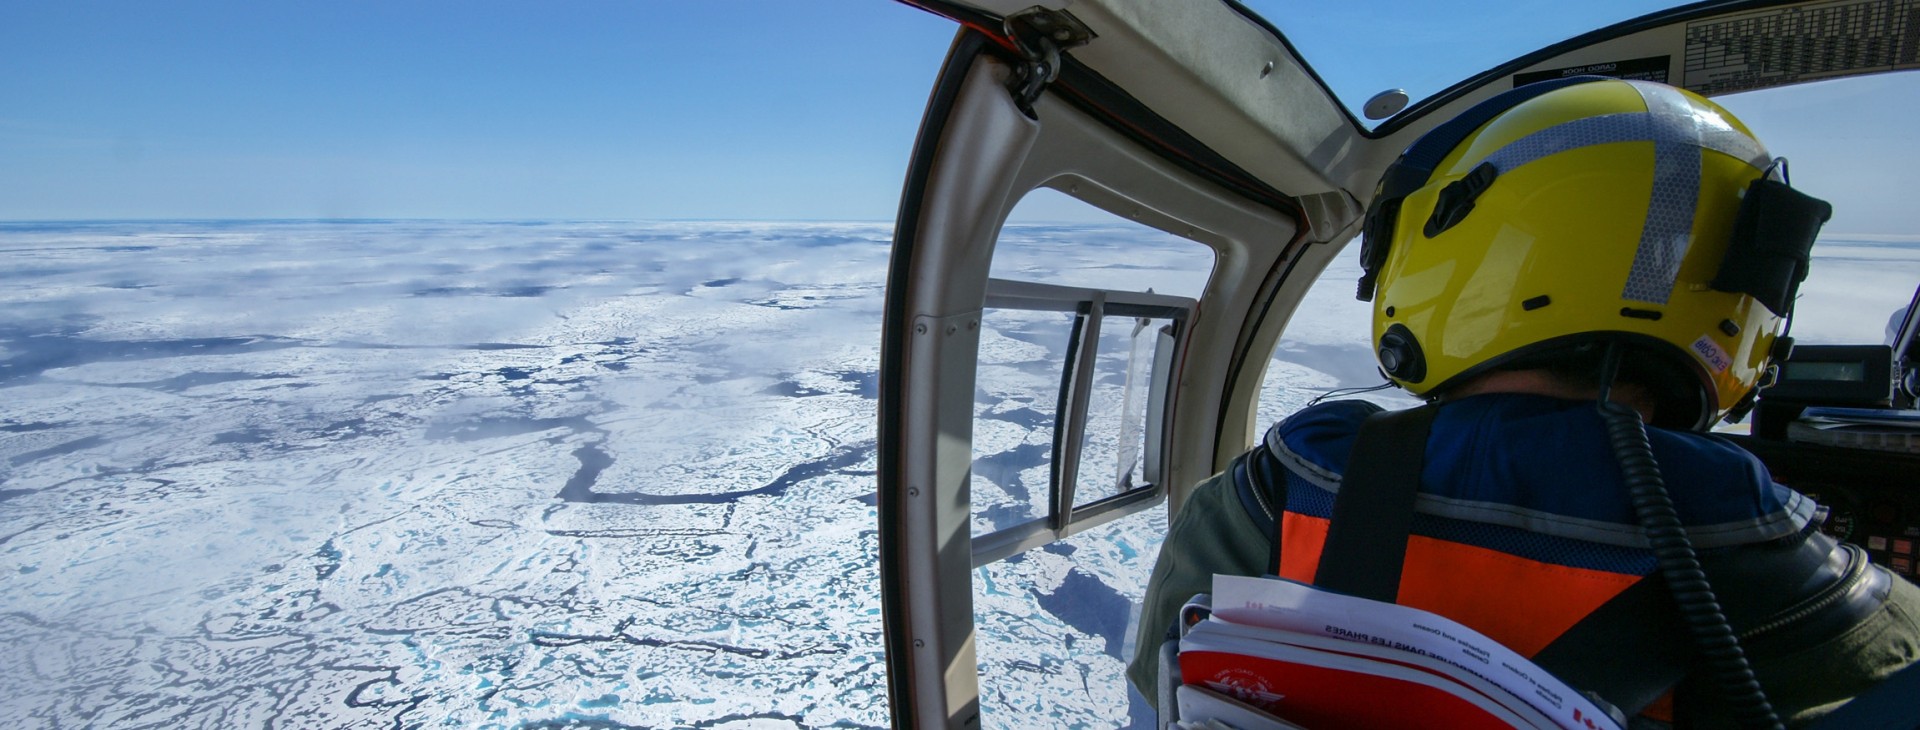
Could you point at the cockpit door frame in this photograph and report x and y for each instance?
(978, 153)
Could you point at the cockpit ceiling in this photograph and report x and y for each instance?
(1227, 83)
(1225, 80)
(1238, 89)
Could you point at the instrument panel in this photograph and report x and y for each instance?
(1872, 497)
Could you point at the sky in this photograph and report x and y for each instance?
(648, 110)
(572, 109)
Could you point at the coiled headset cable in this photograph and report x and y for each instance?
(1678, 563)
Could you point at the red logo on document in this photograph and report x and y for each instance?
(1246, 684)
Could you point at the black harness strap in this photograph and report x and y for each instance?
(1639, 625)
(1373, 513)
(1780, 600)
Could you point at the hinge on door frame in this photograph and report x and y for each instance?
(1040, 34)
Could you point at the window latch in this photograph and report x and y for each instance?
(1040, 35)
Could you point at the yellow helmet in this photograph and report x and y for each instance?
(1588, 210)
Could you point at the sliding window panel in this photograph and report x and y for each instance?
(1016, 396)
(1114, 453)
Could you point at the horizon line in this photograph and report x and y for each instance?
(519, 221)
(1880, 237)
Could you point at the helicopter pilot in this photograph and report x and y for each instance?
(1549, 269)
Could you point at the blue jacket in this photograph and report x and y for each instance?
(1543, 465)
(1523, 530)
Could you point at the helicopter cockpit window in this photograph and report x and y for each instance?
(1867, 260)
(1080, 326)
(1081, 317)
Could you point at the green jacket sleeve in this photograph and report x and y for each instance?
(1805, 684)
(1212, 534)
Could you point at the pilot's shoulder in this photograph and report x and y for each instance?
(1321, 434)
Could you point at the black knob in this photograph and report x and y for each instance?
(1400, 354)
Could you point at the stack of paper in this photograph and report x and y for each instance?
(1881, 429)
(1279, 654)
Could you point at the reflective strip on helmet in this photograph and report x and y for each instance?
(1626, 127)
(1678, 130)
(1676, 195)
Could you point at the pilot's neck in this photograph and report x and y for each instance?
(1542, 382)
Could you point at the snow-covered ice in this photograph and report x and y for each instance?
(410, 474)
